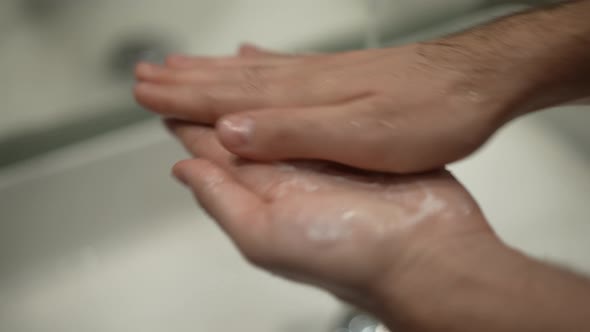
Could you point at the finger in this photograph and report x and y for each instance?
(237, 210)
(154, 73)
(250, 50)
(200, 141)
(202, 104)
(179, 61)
(183, 61)
(344, 134)
(253, 51)
(256, 89)
(245, 71)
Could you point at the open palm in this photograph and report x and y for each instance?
(337, 228)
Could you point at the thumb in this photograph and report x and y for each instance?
(320, 133)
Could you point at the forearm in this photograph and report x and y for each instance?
(531, 60)
(489, 288)
(558, 65)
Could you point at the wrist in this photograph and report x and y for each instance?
(448, 286)
(479, 284)
(552, 49)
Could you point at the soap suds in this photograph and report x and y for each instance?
(430, 206)
(334, 229)
(328, 231)
(397, 192)
(295, 184)
(213, 181)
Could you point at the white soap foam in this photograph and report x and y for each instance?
(213, 181)
(328, 231)
(430, 206)
(296, 184)
(334, 229)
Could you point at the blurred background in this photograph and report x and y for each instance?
(96, 236)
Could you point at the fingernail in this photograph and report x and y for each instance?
(236, 131)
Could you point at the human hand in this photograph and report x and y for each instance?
(352, 233)
(406, 109)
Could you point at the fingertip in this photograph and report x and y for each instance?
(143, 88)
(140, 69)
(179, 171)
(144, 93)
(190, 171)
(139, 92)
(147, 71)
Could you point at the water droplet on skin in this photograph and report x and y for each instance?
(387, 124)
(355, 124)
